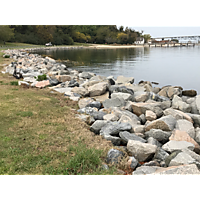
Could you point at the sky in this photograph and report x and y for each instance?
(166, 30)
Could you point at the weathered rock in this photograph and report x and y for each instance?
(176, 170)
(87, 110)
(153, 141)
(143, 119)
(98, 115)
(171, 156)
(113, 103)
(143, 170)
(85, 101)
(181, 159)
(80, 90)
(122, 89)
(195, 118)
(54, 81)
(98, 89)
(158, 134)
(113, 128)
(102, 97)
(110, 117)
(177, 103)
(166, 123)
(141, 151)
(122, 80)
(86, 118)
(189, 93)
(160, 154)
(62, 90)
(73, 83)
(85, 75)
(183, 136)
(94, 104)
(192, 154)
(42, 84)
(177, 114)
(150, 115)
(184, 125)
(23, 84)
(139, 129)
(132, 163)
(97, 126)
(114, 156)
(63, 78)
(141, 96)
(115, 140)
(125, 96)
(132, 120)
(140, 108)
(173, 91)
(177, 145)
(152, 163)
(125, 136)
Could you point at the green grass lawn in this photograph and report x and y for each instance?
(39, 133)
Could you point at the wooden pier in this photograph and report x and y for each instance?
(172, 45)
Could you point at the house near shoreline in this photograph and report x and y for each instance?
(139, 40)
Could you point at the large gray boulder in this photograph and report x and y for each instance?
(98, 89)
(141, 151)
(158, 134)
(97, 126)
(195, 119)
(143, 170)
(169, 92)
(160, 154)
(114, 156)
(133, 121)
(117, 102)
(85, 101)
(177, 145)
(80, 90)
(125, 96)
(123, 80)
(185, 125)
(166, 123)
(126, 136)
(141, 96)
(178, 114)
(182, 159)
(153, 141)
(177, 103)
(115, 140)
(85, 75)
(113, 128)
(182, 170)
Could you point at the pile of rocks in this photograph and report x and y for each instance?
(157, 127)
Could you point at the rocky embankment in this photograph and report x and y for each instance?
(157, 127)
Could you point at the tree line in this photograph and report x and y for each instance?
(68, 34)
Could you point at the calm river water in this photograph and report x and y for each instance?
(178, 66)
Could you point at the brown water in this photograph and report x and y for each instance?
(167, 66)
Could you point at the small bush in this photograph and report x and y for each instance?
(7, 56)
(42, 77)
(14, 83)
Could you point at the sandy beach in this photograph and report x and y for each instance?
(97, 46)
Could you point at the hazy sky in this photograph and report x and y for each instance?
(169, 31)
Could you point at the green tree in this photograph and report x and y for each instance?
(146, 37)
(6, 33)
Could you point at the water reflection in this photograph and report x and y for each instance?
(167, 66)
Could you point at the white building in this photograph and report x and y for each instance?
(139, 40)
